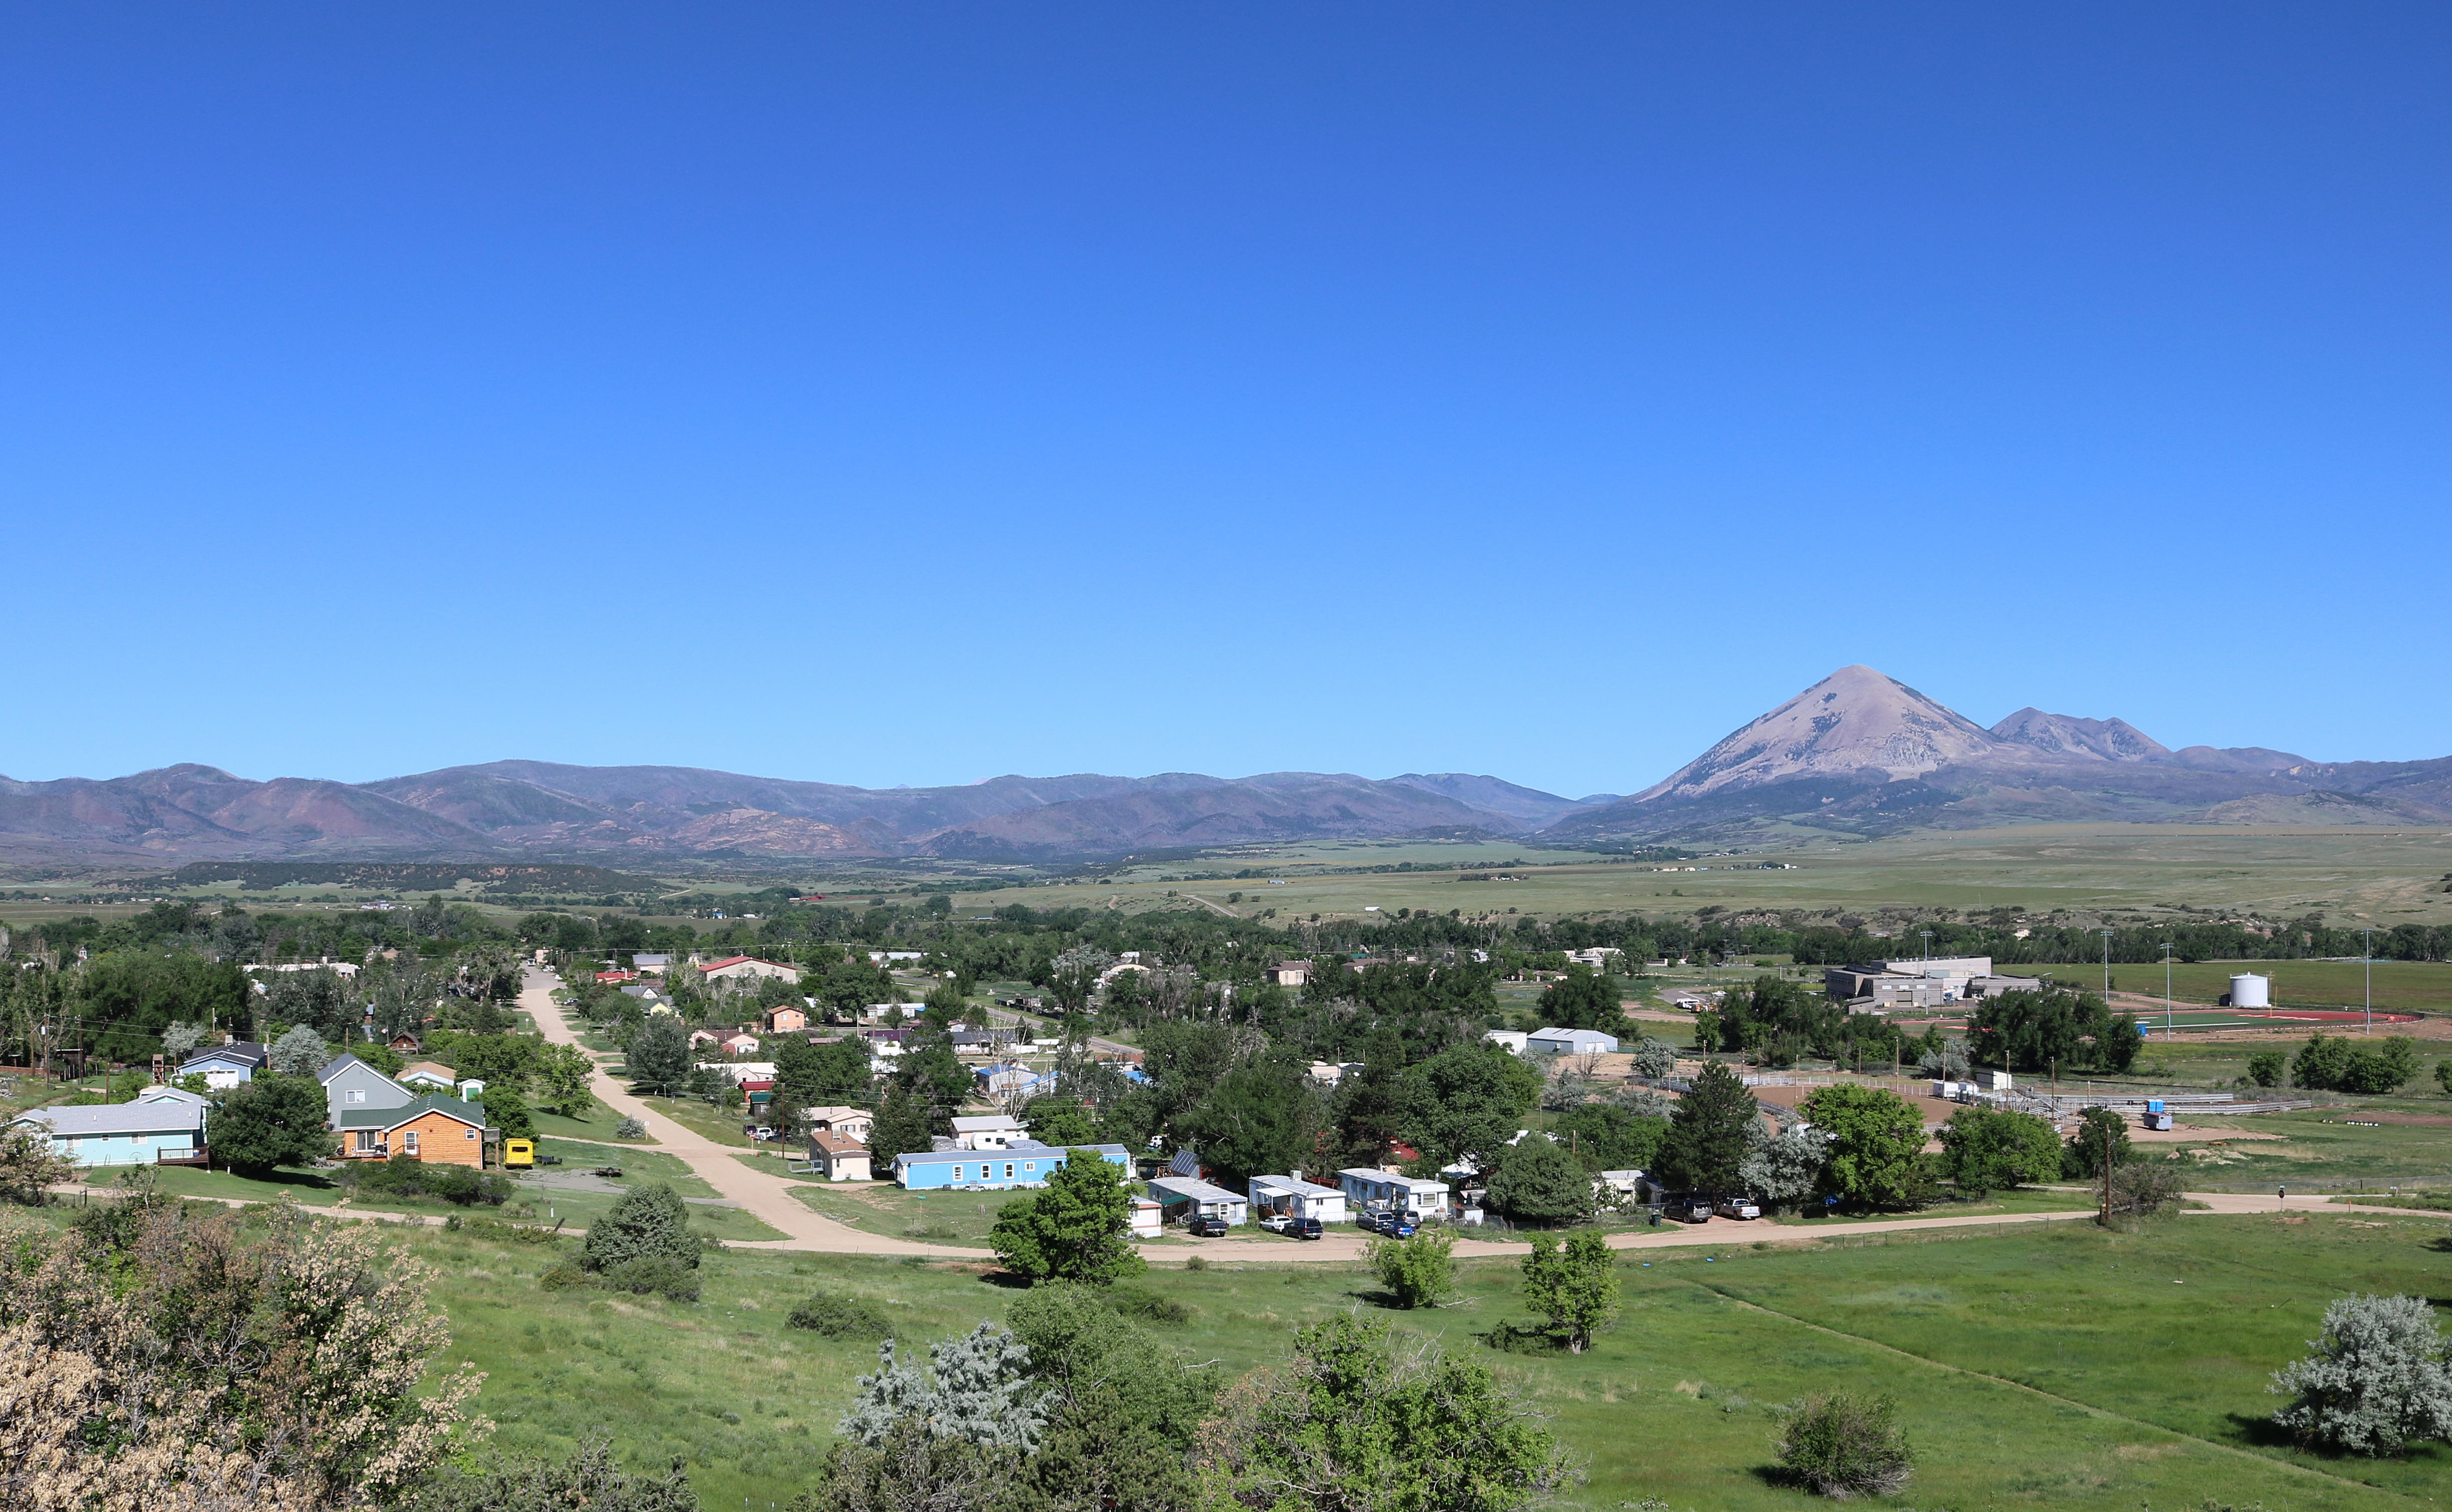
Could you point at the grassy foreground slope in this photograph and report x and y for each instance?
(2147, 1356)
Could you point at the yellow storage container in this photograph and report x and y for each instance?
(519, 1152)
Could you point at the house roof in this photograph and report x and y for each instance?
(987, 1124)
(834, 1144)
(342, 1063)
(429, 1068)
(1193, 1189)
(239, 1052)
(1392, 1179)
(172, 1094)
(161, 1116)
(1030, 1148)
(839, 1115)
(392, 1118)
(1299, 1188)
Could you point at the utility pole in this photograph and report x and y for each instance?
(2106, 964)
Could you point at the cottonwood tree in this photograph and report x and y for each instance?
(567, 1074)
(1574, 1287)
(1994, 1149)
(1537, 1182)
(1079, 1227)
(1876, 1155)
(2377, 1379)
(1783, 1168)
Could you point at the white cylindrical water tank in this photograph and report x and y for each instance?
(2250, 991)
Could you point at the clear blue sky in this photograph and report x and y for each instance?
(913, 393)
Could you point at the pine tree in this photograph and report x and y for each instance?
(1707, 1133)
(649, 1223)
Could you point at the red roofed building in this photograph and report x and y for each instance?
(736, 967)
(617, 976)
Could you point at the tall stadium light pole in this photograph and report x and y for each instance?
(2370, 965)
(2106, 964)
(2167, 989)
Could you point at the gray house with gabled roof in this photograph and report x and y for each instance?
(351, 1085)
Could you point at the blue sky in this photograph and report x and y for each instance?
(911, 394)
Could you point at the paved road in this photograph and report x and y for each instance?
(768, 1195)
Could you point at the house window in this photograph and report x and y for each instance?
(357, 1094)
(467, 1134)
(409, 1142)
(1030, 1166)
(366, 1142)
(1008, 1170)
(958, 1173)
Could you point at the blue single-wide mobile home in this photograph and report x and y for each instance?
(1024, 1163)
(154, 1132)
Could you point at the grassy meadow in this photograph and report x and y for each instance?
(2035, 1366)
(2382, 876)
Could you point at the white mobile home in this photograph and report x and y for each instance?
(1297, 1198)
(1367, 1186)
(1188, 1195)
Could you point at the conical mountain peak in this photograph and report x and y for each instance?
(1857, 722)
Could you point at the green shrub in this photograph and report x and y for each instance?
(1522, 1339)
(1137, 1301)
(832, 1317)
(1844, 1445)
(563, 1275)
(2265, 1066)
(1419, 1271)
(649, 1223)
(653, 1275)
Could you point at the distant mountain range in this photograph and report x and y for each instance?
(1857, 753)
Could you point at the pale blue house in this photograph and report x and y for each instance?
(155, 1131)
(224, 1067)
(1024, 1162)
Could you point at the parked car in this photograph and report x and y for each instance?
(1368, 1220)
(1206, 1227)
(1278, 1222)
(1691, 1209)
(1737, 1207)
(1309, 1229)
(1399, 1225)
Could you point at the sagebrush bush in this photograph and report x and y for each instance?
(1844, 1445)
(1139, 1301)
(653, 1276)
(829, 1316)
(2378, 1379)
(630, 1128)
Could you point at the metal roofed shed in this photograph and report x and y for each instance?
(1189, 1196)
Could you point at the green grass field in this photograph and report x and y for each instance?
(2407, 986)
(2034, 1366)
(2382, 876)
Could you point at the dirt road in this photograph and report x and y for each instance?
(768, 1196)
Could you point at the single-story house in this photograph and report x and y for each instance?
(1149, 1220)
(437, 1129)
(224, 1067)
(432, 1075)
(783, 1021)
(993, 1131)
(699, 1037)
(1001, 1078)
(352, 1083)
(604, 978)
(734, 968)
(739, 1044)
(1507, 1039)
(155, 1132)
(652, 965)
(1569, 1042)
(406, 1042)
(837, 1157)
(1298, 1198)
(1024, 1163)
(1190, 1197)
(739, 1071)
(1287, 973)
(852, 1122)
(1366, 1185)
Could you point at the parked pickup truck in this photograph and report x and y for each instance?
(1737, 1207)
